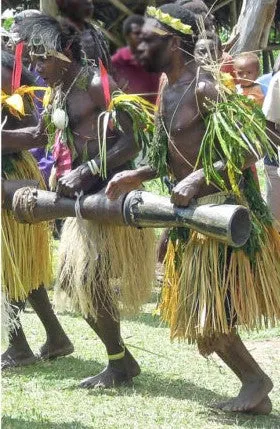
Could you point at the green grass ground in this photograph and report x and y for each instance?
(174, 390)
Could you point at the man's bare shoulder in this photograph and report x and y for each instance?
(206, 89)
(97, 88)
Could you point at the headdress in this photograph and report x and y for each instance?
(168, 20)
(46, 36)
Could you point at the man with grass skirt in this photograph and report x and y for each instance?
(98, 264)
(26, 259)
(209, 288)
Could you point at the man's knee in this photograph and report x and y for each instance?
(216, 343)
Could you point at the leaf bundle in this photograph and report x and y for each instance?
(141, 113)
(235, 130)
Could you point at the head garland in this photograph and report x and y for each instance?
(168, 20)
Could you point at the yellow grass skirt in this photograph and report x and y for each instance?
(209, 288)
(26, 258)
(104, 263)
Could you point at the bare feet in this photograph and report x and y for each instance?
(252, 398)
(263, 408)
(117, 373)
(14, 357)
(52, 350)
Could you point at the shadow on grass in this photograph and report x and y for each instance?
(60, 369)
(271, 421)
(153, 385)
(12, 423)
(147, 385)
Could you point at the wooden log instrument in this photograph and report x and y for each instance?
(225, 222)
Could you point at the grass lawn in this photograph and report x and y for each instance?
(174, 390)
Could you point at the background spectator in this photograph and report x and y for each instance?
(271, 109)
(247, 70)
(127, 71)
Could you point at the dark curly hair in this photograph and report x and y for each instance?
(43, 30)
(187, 17)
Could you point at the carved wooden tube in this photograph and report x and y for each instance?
(225, 222)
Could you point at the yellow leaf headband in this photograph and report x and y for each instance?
(168, 20)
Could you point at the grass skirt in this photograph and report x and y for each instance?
(26, 258)
(104, 264)
(209, 287)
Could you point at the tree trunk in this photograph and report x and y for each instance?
(253, 25)
(49, 7)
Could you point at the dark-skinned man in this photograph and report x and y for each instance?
(129, 74)
(169, 37)
(92, 256)
(26, 262)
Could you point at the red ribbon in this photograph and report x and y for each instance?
(17, 69)
(105, 83)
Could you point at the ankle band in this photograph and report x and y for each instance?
(117, 355)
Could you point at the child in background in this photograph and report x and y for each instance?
(247, 70)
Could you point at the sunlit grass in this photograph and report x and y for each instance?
(174, 390)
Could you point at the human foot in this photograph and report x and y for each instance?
(14, 357)
(51, 350)
(115, 374)
(252, 398)
(263, 408)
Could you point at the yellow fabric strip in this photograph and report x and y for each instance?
(117, 355)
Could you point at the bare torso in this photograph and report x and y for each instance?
(183, 119)
(84, 107)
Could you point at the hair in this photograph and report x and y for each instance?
(52, 34)
(187, 17)
(26, 14)
(198, 7)
(251, 56)
(128, 22)
(101, 48)
(7, 61)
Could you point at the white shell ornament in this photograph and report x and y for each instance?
(60, 118)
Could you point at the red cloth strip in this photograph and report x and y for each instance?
(17, 69)
(105, 83)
